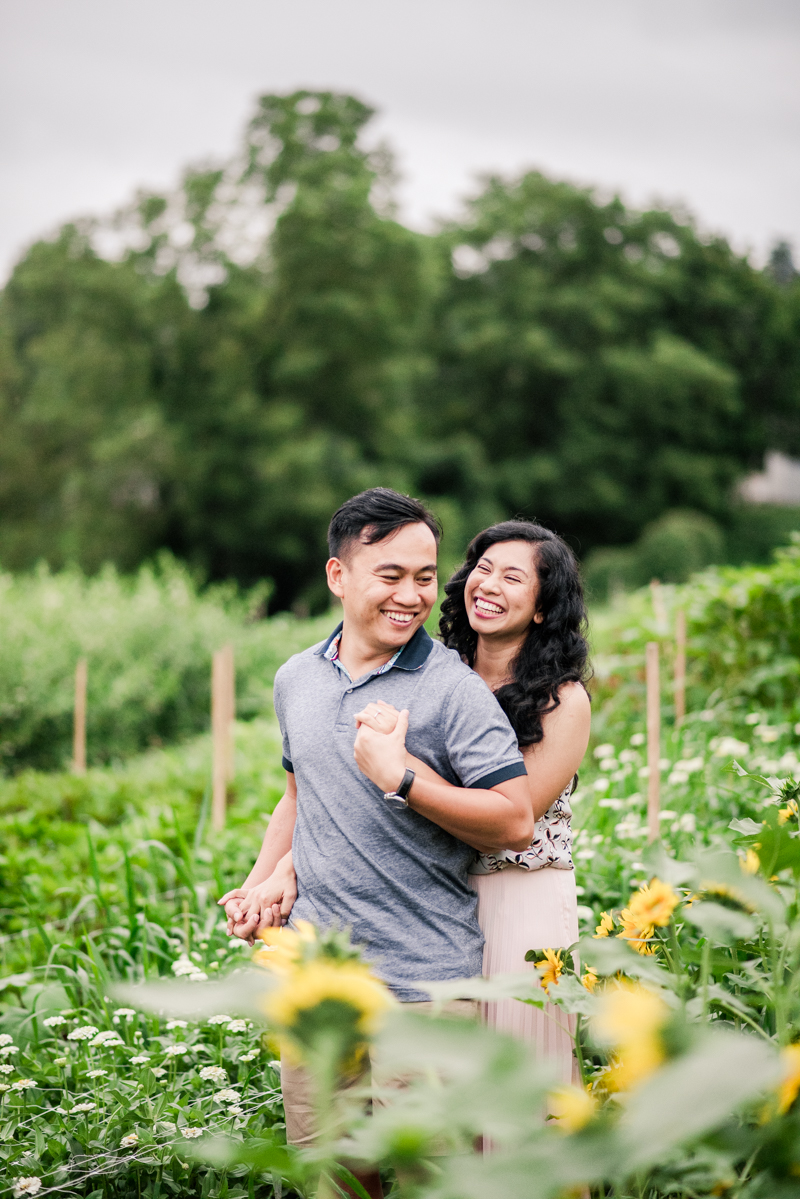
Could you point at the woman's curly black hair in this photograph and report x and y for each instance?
(554, 652)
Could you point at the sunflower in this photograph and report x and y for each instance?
(605, 926)
(348, 986)
(638, 936)
(787, 1092)
(572, 1107)
(653, 904)
(550, 968)
(630, 1019)
(589, 979)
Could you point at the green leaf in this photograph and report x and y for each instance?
(723, 926)
(748, 827)
(609, 955)
(694, 1094)
(501, 986)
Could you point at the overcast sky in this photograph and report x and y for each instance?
(684, 100)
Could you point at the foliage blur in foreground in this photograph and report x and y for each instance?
(697, 1097)
(213, 370)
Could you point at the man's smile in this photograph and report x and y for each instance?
(396, 617)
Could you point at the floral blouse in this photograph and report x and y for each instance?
(551, 844)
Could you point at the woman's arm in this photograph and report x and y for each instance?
(553, 761)
(550, 764)
(499, 814)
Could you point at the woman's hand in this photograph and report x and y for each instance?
(381, 756)
(264, 905)
(381, 717)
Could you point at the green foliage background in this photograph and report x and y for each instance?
(213, 370)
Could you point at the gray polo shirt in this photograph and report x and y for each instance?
(395, 879)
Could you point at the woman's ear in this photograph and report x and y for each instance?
(538, 617)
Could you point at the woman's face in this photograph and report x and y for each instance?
(502, 591)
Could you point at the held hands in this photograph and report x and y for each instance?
(267, 904)
(380, 748)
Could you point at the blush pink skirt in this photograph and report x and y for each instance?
(520, 910)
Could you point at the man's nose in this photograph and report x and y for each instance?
(407, 592)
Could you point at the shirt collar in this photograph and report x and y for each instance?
(412, 655)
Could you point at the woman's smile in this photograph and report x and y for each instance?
(487, 608)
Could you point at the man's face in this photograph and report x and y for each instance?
(389, 588)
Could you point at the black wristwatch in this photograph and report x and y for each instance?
(400, 795)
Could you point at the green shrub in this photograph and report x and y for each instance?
(148, 640)
(672, 549)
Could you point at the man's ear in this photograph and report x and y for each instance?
(335, 569)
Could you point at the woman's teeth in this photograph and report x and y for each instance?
(488, 608)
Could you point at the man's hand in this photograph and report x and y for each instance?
(382, 756)
(266, 904)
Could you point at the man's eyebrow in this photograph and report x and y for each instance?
(402, 569)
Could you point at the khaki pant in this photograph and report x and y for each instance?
(298, 1098)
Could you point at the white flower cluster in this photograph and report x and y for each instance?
(237, 1026)
(123, 1013)
(84, 1032)
(82, 1107)
(184, 966)
(173, 1024)
(5, 1039)
(214, 1074)
(27, 1186)
(6, 1050)
(141, 1059)
(7, 1069)
(97, 1074)
(129, 1141)
(191, 1133)
(23, 1084)
(107, 1039)
(60, 1061)
(176, 1050)
(159, 1072)
(249, 1057)
(219, 1019)
(227, 1095)
(54, 1021)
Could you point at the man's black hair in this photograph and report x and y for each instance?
(373, 515)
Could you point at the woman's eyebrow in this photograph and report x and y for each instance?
(520, 569)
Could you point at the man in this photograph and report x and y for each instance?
(390, 866)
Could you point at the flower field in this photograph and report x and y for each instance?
(686, 999)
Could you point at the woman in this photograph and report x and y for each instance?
(515, 613)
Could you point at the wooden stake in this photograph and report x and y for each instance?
(659, 610)
(222, 712)
(79, 719)
(653, 741)
(680, 667)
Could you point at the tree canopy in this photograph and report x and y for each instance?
(214, 370)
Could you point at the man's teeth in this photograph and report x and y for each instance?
(485, 606)
(402, 617)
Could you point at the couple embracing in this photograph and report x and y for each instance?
(428, 782)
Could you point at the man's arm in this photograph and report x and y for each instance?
(499, 815)
(243, 906)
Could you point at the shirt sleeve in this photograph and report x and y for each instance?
(481, 743)
(277, 703)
